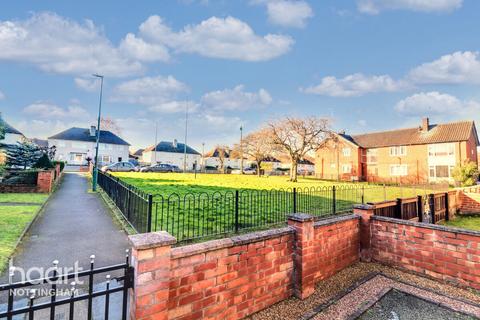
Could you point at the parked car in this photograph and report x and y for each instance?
(119, 167)
(245, 171)
(161, 167)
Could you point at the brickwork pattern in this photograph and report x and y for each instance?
(442, 253)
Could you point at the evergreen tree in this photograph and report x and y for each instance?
(44, 162)
(23, 154)
(2, 129)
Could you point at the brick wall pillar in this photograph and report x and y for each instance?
(365, 212)
(151, 260)
(304, 254)
(57, 169)
(45, 181)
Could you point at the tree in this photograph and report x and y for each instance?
(222, 153)
(2, 128)
(257, 145)
(466, 174)
(111, 125)
(298, 136)
(44, 162)
(23, 154)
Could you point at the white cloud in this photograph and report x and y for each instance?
(174, 106)
(428, 103)
(236, 99)
(225, 38)
(458, 67)
(139, 49)
(376, 6)
(48, 110)
(355, 85)
(89, 85)
(287, 13)
(2, 95)
(158, 93)
(60, 45)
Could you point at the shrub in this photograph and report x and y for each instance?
(61, 163)
(44, 163)
(466, 174)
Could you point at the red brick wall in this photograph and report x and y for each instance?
(233, 282)
(18, 188)
(443, 253)
(45, 181)
(469, 203)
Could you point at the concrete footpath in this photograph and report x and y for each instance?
(74, 225)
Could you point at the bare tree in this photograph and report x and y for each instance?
(222, 153)
(111, 125)
(299, 136)
(257, 145)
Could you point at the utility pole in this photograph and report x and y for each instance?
(95, 167)
(203, 156)
(241, 149)
(155, 145)
(185, 143)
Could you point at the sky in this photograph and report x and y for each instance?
(369, 65)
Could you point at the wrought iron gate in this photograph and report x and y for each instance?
(42, 298)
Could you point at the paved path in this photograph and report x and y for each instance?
(74, 225)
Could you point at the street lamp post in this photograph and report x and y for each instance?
(241, 149)
(95, 167)
(203, 156)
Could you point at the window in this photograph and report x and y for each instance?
(372, 156)
(105, 159)
(441, 150)
(61, 144)
(105, 146)
(332, 165)
(441, 171)
(79, 145)
(346, 152)
(346, 168)
(398, 170)
(398, 151)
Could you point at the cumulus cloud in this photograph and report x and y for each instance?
(236, 99)
(436, 103)
(86, 84)
(355, 85)
(458, 67)
(158, 93)
(440, 6)
(48, 110)
(60, 45)
(2, 95)
(137, 48)
(287, 13)
(225, 38)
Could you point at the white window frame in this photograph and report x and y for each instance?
(347, 152)
(398, 170)
(346, 168)
(447, 148)
(398, 151)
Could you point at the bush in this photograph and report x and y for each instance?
(61, 163)
(44, 163)
(466, 174)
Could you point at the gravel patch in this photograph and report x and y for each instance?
(349, 278)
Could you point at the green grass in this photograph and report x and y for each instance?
(467, 222)
(14, 220)
(23, 197)
(189, 206)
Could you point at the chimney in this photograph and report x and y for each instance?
(425, 124)
(93, 131)
(174, 144)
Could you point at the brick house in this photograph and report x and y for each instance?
(425, 154)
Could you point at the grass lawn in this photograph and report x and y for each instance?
(190, 207)
(14, 219)
(467, 222)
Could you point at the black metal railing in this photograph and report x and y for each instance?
(135, 205)
(57, 295)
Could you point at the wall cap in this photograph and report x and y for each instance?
(427, 225)
(364, 206)
(333, 220)
(301, 217)
(261, 235)
(150, 240)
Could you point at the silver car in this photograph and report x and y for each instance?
(119, 167)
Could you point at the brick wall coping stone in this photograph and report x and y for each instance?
(150, 240)
(301, 217)
(198, 248)
(364, 206)
(427, 225)
(333, 220)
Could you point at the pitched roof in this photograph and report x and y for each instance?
(215, 153)
(139, 152)
(82, 134)
(40, 142)
(437, 133)
(166, 146)
(9, 128)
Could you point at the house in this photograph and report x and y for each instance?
(306, 166)
(76, 145)
(12, 135)
(214, 158)
(137, 155)
(269, 164)
(425, 154)
(172, 153)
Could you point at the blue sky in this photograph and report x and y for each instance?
(368, 64)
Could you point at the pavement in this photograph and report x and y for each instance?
(74, 225)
